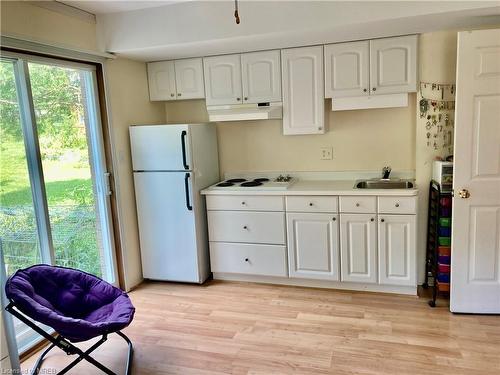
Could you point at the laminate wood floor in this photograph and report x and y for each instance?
(243, 328)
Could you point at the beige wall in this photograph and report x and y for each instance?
(438, 59)
(361, 140)
(129, 104)
(23, 19)
(128, 99)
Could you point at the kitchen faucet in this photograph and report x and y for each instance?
(386, 171)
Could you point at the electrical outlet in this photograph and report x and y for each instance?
(326, 153)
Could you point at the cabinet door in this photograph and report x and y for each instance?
(303, 93)
(222, 79)
(161, 79)
(261, 77)
(393, 65)
(397, 249)
(347, 69)
(313, 246)
(358, 247)
(189, 79)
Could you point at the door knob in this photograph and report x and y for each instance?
(464, 193)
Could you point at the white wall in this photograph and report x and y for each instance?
(129, 103)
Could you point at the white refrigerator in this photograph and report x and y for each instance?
(171, 164)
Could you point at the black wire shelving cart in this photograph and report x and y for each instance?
(438, 253)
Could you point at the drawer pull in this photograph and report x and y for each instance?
(372, 219)
(397, 204)
(357, 204)
(311, 204)
(245, 227)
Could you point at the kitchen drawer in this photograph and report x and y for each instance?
(312, 204)
(397, 205)
(251, 227)
(268, 260)
(245, 203)
(358, 204)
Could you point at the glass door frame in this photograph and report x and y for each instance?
(95, 141)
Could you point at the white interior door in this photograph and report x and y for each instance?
(475, 270)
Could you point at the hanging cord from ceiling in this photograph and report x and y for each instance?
(236, 15)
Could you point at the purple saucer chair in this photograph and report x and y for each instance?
(77, 305)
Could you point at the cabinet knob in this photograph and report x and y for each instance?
(334, 219)
(311, 204)
(374, 89)
(397, 204)
(357, 205)
(243, 203)
(179, 94)
(245, 98)
(320, 128)
(382, 220)
(172, 95)
(245, 227)
(365, 90)
(238, 99)
(246, 260)
(372, 219)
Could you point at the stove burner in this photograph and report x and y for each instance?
(225, 184)
(236, 180)
(251, 183)
(261, 179)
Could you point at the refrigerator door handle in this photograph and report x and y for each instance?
(183, 144)
(186, 188)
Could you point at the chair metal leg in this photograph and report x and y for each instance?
(38, 363)
(130, 353)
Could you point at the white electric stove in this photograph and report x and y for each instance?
(258, 183)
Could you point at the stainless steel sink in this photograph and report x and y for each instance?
(384, 184)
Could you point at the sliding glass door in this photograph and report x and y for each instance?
(54, 194)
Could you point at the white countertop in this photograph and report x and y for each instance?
(317, 187)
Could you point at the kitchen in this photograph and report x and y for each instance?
(317, 229)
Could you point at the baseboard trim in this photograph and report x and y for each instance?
(394, 289)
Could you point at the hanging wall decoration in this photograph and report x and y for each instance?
(437, 110)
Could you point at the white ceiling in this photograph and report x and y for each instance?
(114, 6)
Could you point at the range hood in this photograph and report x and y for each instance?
(242, 112)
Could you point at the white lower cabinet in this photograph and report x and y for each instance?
(313, 245)
(397, 249)
(358, 247)
(254, 259)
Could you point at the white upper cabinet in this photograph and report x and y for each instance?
(313, 245)
(172, 80)
(303, 90)
(393, 65)
(189, 79)
(161, 79)
(347, 69)
(261, 77)
(223, 79)
(397, 249)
